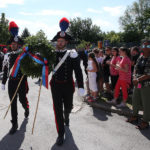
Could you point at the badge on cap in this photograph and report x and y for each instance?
(16, 39)
(62, 34)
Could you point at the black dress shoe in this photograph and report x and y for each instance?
(60, 140)
(26, 114)
(13, 129)
(67, 122)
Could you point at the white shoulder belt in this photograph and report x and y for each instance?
(61, 62)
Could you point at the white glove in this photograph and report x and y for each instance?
(81, 92)
(3, 87)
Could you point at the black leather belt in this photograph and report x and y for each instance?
(61, 81)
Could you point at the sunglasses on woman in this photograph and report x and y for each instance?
(145, 46)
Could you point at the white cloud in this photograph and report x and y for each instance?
(106, 25)
(77, 14)
(35, 26)
(53, 13)
(94, 11)
(101, 22)
(26, 13)
(114, 11)
(47, 12)
(4, 3)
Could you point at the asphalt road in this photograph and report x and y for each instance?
(90, 129)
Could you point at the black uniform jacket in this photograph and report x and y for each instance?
(65, 72)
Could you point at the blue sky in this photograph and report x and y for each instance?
(45, 14)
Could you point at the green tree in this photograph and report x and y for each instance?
(136, 21)
(82, 45)
(147, 18)
(4, 33)
(113, 37)
(83, 29)
(25, 33)
(131, 34)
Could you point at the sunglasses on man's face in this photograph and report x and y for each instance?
(145, 46)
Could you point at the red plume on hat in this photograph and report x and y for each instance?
(13, 28)
(64, 24)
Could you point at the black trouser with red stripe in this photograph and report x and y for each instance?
(62, 94)
(22, 91)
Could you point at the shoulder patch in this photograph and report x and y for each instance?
(73, 53)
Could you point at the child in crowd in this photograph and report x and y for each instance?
(92, 70)
(124, 80)
(99, 57)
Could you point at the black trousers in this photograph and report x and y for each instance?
(62, 94)
(22, 91)
(114, 80)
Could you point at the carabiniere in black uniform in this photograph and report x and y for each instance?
(62, 87)
(12, 86)
(62, 84)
